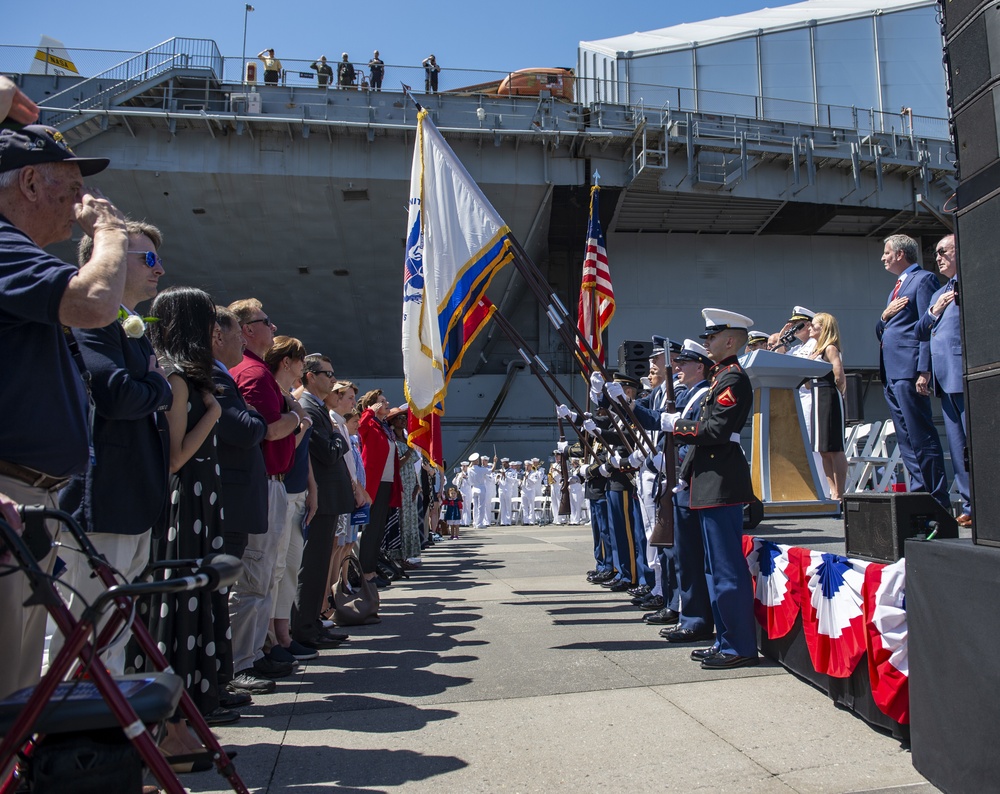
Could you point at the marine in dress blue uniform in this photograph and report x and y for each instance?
(717, 476)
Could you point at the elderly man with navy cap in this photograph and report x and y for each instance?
(717, 476)
(45, 440)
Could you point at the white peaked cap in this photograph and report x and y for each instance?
(720, 320)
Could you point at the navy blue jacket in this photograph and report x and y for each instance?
(244, 478)
(903, 355)
(124, 491)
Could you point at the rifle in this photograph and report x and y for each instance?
(663, 524)
(563, 509)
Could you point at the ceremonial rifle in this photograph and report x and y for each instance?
(564, 470)
(663, 524)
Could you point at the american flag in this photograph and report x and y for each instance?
(597, 298)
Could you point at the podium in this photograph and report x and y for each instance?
(783, 465)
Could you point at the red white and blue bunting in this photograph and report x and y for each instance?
(848, 607)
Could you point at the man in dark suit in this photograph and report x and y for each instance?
(123, 492)
(327, 448)
(244, 478)
(905, 364)
(940, 325)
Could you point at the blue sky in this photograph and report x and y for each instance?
(462, 34)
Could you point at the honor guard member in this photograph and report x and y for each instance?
(464, 485)
(575, 490)
(507, 488)
(555, 477)
(529, 490)
(717, 475)
(695, 619)
(757, 340)
(624, 510)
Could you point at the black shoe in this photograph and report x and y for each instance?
(700, 654)
(680, 634)
(652, 603)
(269, 668)
(318, 641)
(662, 617)
(620, 586)
(221, 716)
(601, 578)
(641, 591)
(591, 574)
(250, 682)
(381, 582)
(727, 661)
(233, 700)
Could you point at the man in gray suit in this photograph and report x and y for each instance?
(940, 325)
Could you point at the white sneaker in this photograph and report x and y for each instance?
(414, 561)
(327, 624)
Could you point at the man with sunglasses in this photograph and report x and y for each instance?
(250, 599)
(122, 494)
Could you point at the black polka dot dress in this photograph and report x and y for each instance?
(191, 629)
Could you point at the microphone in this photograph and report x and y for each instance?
(789, 336)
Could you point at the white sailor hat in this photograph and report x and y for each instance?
(536, 460)
(473, 457)
(515, 463)
(505, 460)
(758, 336)
(464, 463)
(801, 313)
(692, 351)
(721, 320)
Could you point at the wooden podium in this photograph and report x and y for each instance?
(783, 466)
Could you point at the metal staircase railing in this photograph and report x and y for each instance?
(97, 92)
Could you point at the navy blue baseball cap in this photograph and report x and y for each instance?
(37, 144)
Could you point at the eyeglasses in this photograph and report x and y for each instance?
(942, 251)
(265, 320)
(152, 260)
(327, 372)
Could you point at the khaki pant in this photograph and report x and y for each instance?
(22, 629)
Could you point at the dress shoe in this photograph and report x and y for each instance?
(652, 603)
(603, 577)
(680, 634)
(619, 587)
(698, 654)
(664, 616)
(964, 520)
(281, 655)
(233, 700)
(221, 716)
(268, 668)
(381, 583)
(641, 591)
(251, 682)
(612, 581)
(300, 652)
(729, 661)
(320, 640)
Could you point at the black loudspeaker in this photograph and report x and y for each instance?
(973, 57)
(854, 401)
(633, 358)
(983, 436)
(875, 524)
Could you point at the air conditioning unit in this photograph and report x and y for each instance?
(248, 104)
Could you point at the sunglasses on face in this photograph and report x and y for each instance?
(152, 260)
(265, 320)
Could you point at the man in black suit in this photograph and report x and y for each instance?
(244, 478)
(123, 493)
(327, 448)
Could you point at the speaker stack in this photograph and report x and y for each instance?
(876, 524)
(952, 586)
(972, 54)
(633, 358)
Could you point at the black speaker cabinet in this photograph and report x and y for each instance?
(984, 435)
(854, 401)
(633, 358)
(876, 524)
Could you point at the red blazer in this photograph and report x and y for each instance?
(375, 450)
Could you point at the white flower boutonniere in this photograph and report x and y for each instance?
(133, 325)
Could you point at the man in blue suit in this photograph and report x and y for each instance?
(905, 365)
(123, 493)
(941, 327)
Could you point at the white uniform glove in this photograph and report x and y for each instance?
(615, 461)
(603, 470)
(658, 461)
(616, 392)
(596, 381)
(681, 486)
(635, 459)
(564, 412)
(667, 421)
(590, 426)
(562, 446)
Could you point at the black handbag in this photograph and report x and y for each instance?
(355, 599)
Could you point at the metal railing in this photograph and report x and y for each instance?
(204, 54)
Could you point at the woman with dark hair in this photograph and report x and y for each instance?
(381, 459)
(191, 630)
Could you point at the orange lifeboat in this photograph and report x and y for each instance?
(530, 82)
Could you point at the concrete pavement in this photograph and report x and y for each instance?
(498, 668)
